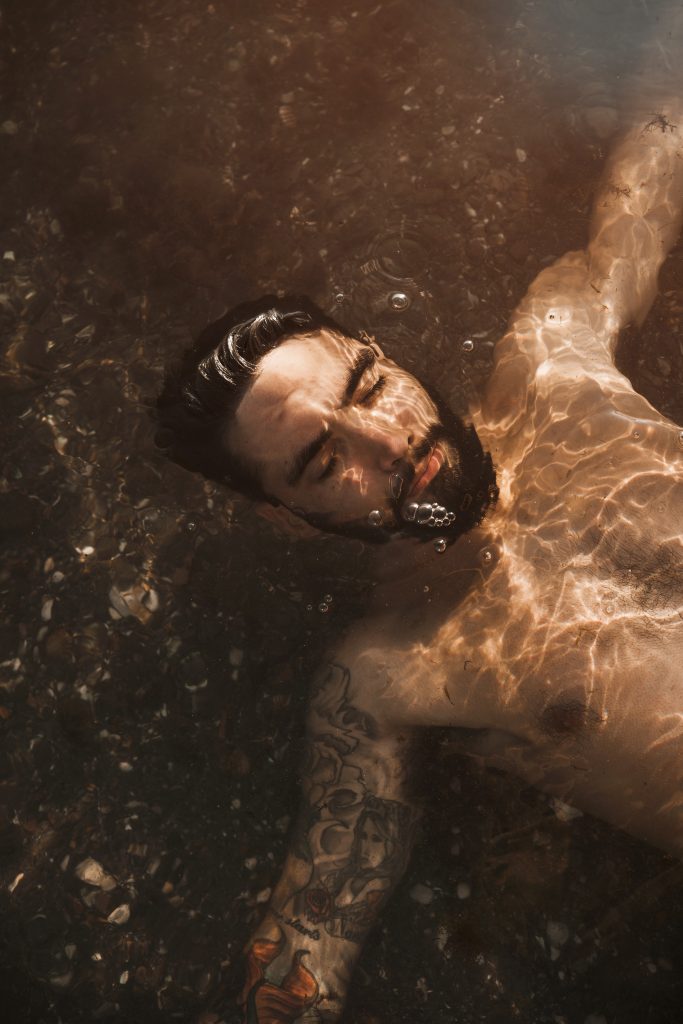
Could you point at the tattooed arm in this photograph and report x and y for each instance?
(351, 847)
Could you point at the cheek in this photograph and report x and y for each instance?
(353, 479)
(408, 401)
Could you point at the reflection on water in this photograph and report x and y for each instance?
(411, 168)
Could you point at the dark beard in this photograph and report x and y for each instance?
(465, 484)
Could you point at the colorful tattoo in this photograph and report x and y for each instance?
(356, 842)
(264, 1002)
(374, 854)
(351, 846)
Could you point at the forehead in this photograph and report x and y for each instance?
(295, 385)
(301, 365)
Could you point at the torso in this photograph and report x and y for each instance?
(555, 630)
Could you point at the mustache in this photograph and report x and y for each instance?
(404, 475)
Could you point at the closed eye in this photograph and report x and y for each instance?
(369, 397)
(329, 468)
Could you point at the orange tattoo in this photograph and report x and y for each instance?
(266, 1003)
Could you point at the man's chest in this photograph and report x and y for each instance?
(559, 622)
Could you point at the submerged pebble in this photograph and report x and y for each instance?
(61, 981)
(92, 872)
(422, 894)
(119, 915)
(563, 811)
(557, 933)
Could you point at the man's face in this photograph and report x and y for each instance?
(336, 431)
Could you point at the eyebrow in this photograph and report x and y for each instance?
(363, 362)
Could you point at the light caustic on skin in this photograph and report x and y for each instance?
(345, 437)
(552, 632)
(584, 608)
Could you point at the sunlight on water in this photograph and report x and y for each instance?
(418, 170)
(590, 520)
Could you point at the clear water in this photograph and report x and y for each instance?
(411, 168)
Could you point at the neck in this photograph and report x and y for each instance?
(410, 564)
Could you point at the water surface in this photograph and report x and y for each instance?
(410, 168)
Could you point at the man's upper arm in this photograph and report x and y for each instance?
(569, 321)
(562, 330)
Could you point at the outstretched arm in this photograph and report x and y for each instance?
(568, 324)
(637, 215)
(351, 846)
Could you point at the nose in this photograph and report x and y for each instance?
(391, 448)
(385, 443)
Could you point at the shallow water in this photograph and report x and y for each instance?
(410, 168)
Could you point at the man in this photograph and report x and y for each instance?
(530, 584)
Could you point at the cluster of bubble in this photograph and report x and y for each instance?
(428, 514)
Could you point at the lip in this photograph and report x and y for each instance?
(433, 464)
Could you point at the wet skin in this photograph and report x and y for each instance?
(328, 422)
(553, 632)
(373, 848)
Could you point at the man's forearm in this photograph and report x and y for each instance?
(351, 845)
(637, 213)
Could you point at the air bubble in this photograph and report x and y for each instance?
(328, 598)
(323, 607)
(440, 544)
(487, 555)
(339, 298)
(191, 527)
(375, 518)
(468, 345)
(396, 482)
(399, 301)
(636, 435)
(680, 438)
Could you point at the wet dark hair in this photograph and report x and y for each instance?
(201, 394)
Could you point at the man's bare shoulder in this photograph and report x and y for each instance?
(364, 680)
(354, 668)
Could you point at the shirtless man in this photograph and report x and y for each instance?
(548, 533)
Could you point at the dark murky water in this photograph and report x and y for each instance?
(410, 167)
